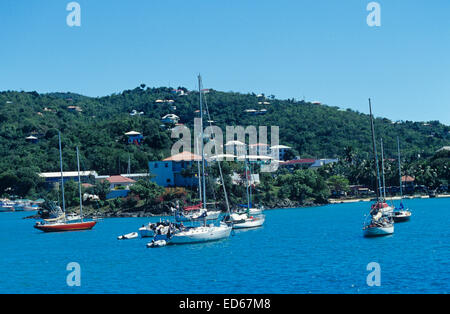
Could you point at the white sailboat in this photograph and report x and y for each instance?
(389, 209)
(400, 214)
(205, 233)
(379, 223)
(196, 212)
(252, 217)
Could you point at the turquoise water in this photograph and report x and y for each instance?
(305, 250)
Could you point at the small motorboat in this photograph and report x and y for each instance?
(132, 235)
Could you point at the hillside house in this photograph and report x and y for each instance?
(134, 137)
(170, 118)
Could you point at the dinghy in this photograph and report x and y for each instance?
(131, 235)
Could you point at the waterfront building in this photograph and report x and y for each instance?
(53, 178)
(179, 170)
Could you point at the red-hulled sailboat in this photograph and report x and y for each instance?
(63, 224)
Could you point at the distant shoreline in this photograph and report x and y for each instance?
(331, 202)
(393, 198)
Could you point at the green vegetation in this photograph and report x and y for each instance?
(98, 128)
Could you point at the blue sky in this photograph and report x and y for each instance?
(320, 50)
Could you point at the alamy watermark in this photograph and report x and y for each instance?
(374, 277)
(74, 17)
(234, 148)
(73, 279)
(374, 17)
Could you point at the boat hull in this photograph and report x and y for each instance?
(250, 223)
(212, 215)
(66, 226)
(201, 234)
(402, 217)
(146, 232)
(252, 211)
(378, 231)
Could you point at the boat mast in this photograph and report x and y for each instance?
(79, 185)
(62, 175)
(399, 169)
(218, 163)
(129, 165)
(248, 184)
(382, 167)
(202, 144)
(199, 175)
(375, 157)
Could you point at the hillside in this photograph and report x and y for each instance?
(312, 130)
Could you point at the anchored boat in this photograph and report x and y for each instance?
(252, 217)
(400, 214)
(64, 224)
(180, 234)
(380, 222)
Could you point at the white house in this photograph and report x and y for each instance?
(170, 118)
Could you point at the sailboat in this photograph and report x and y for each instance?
(400, 214)
(198, 211)
(205, 233)
(249, 219)
(388, 210)
(379, 223)
(65, 224)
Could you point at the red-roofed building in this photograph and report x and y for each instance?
(407, 179)
(184, 156)
(408, 184)
(119, 181)
(298, 163)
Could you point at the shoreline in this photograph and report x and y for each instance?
(330, 202)
(392, 198)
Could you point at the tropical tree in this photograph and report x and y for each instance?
(338, 183)
(147, 190)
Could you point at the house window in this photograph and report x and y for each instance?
(168, 180)
(167, 165)
(156, 165)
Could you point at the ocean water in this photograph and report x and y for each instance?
(304, 250)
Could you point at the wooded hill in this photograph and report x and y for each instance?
(97, 126)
